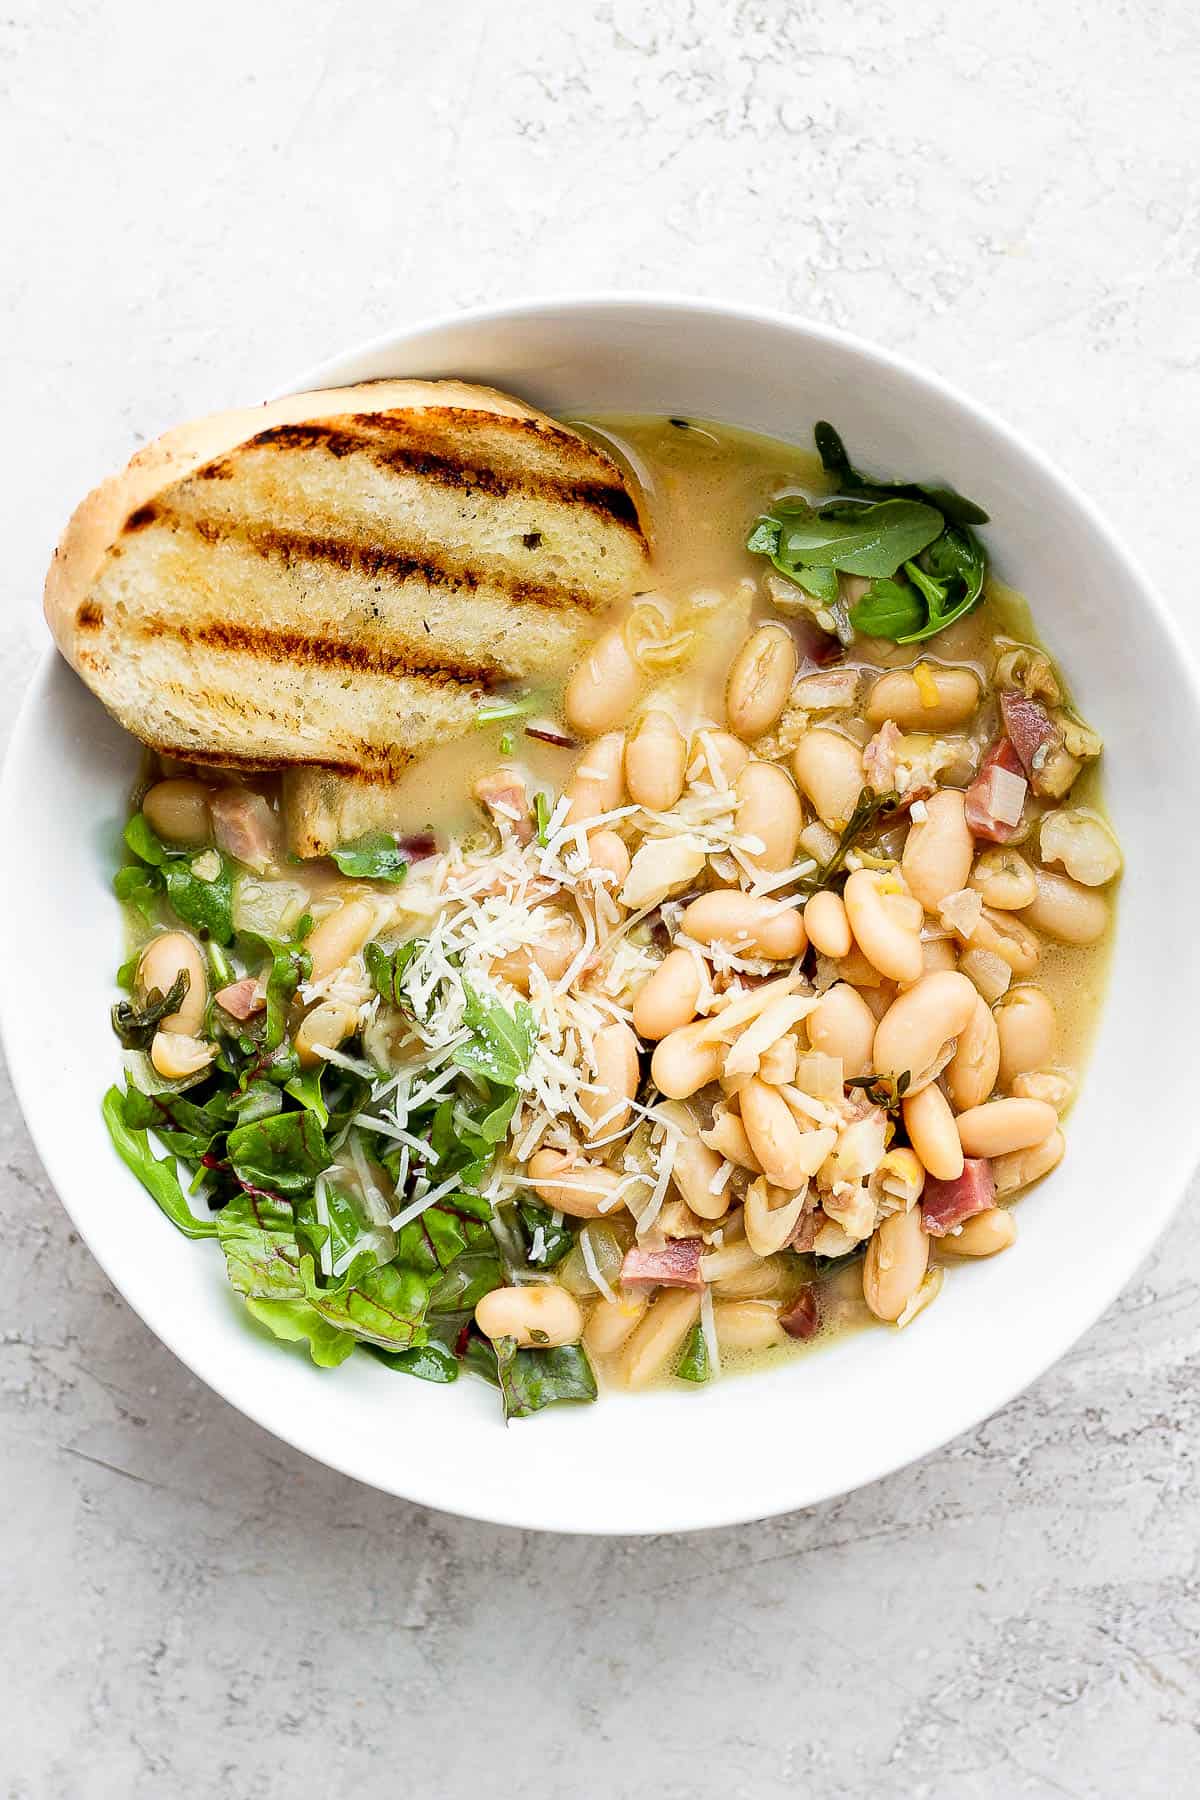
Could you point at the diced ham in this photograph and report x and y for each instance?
(945, 1204)
(987, 792)
(245, 826)
(1029, 727)
(803, 1317)
(804, 1235)
(242, 999)
(879, 758)
(503, 794)
(677, 1264)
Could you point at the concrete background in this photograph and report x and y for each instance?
(200, 201)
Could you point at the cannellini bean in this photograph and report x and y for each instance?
(553, 954)
(920, 1022)
(927, 698)
(1017, 1169)
(659, 1336)
(603, 687)
(983, 1235)
(615, 1052)
(1001, 1126)
(669, 998)
(770, 1215)
(722, 749)
(1026, 1030)
(612, 1321)
(843, 1026)
(178, 811)
(827, 926)
(607, 852)
(1081, 841)
(759, 681)
(655, 759)
(829, 772)
(329, 1024)
(598, 783)
(727, 1136)
(338, 937)
(159, 967)
(931, 1127)
(545, 1315)
(936, 859)
(749, 924)
(1050, 1085)
(685, 1061)
(788, 1155)
(569, 1184)
(972, 1070)
(895, 1264)
(693, 1171)
(777, 1064)
(937, 953)
(1004, 934)
(882, 920)
(767, 1276)
(769, 809)
(1067, 911)
(1004, 879)
(176, 1054)
(747, 1325)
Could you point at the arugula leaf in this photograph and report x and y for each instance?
(376, 857)
(205, 905)
(143, 840)
(835, 461)
(284, 1153)
(532, 1379)
(556, 1240)
(694, 1363)
(386, 969)
(957, 566)
(156, 1174)
(136, 1025)
(875, 542)
(501, 1043)
(184, 1127)
(428, 1362)
(471, 1275)
(139, 886)
(888, 609)
(306, 1089)
(295, 1321)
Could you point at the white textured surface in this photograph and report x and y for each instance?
(201, 202)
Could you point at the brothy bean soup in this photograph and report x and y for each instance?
(706, 1004)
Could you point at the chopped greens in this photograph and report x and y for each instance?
(694, 1364)
(532, 1379)
(914, 542)
(376, 857)
(197, 885)
(136, 1024)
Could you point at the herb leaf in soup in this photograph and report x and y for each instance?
(888, 609)
(694, 1362)
(376, 857)
(874, 542)
(136, 1025)
(200, 890)
(532, 1379)
(501, 1043)
(835, 461)
(156, 1174)
(428, 1362)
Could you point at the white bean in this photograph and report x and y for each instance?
(1067, 911)
(762, 674)
(769, 809)
(544, 1316)
(655, 758)
(921, 1021)
(895, 1264)
(932, 699)
(159, 967)
(603, 687)
(615, 1052)
(931, 1128)
(1001, 1126)
(886, 924)
(936, 859)
(829, 772)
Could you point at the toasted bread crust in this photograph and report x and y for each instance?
(336, 578)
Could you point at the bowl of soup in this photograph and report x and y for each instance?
(777, 972)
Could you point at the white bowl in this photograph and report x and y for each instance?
(820, 1425)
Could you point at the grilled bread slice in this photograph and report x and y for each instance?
(336, 578)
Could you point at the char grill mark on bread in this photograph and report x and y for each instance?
(336, 578)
